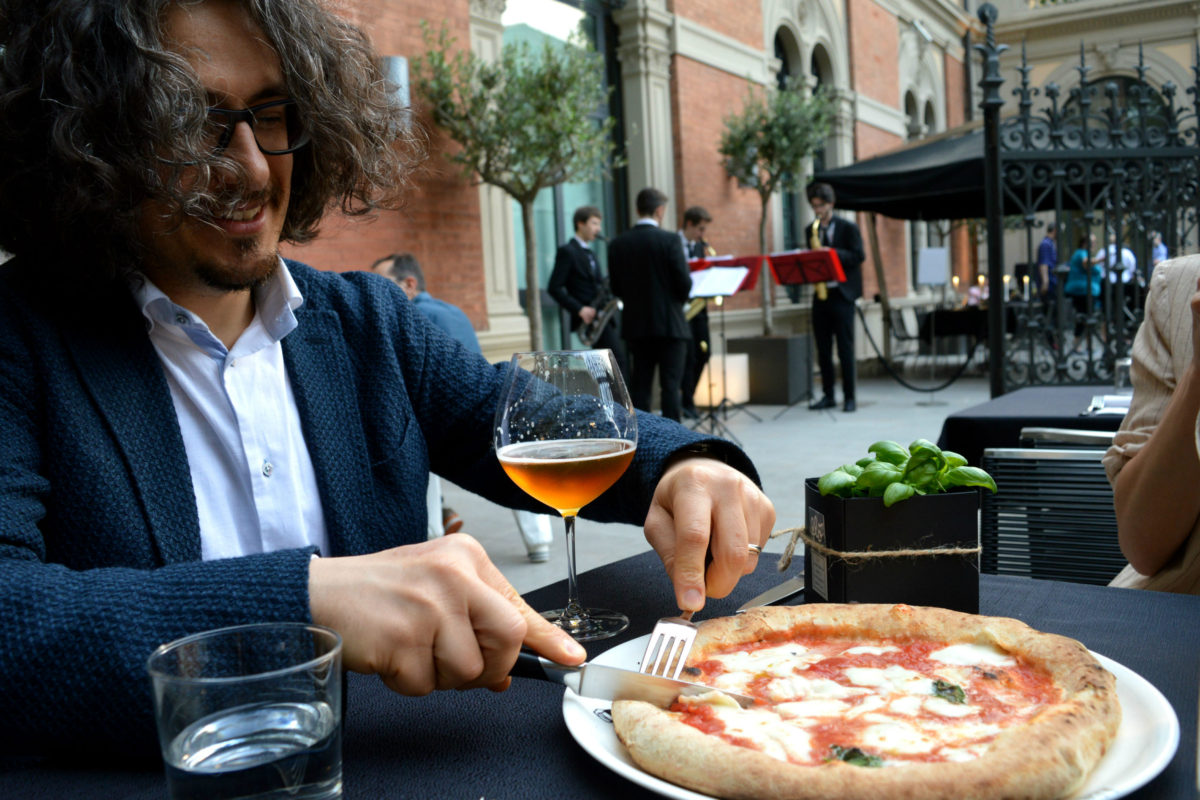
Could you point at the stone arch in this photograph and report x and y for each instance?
(1113, 60)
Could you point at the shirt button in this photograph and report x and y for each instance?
(267, 469)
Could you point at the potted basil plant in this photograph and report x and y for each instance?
(900, 525)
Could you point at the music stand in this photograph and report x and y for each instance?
(801, 267)
(713, 281)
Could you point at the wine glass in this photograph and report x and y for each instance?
(565, 432)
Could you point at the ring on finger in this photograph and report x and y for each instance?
(755, 548)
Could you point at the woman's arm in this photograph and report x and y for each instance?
(1156, 494)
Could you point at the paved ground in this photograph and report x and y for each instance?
(787, 446)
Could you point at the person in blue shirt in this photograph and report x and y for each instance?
(1083, 281)
(1047, 261)
(1158, 251)
(405, 271)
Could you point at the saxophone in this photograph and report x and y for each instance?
(814, 241)
(607, 305)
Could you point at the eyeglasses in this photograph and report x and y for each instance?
(276, 126)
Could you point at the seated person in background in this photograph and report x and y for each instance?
(1153, 463)
(405, 271)
(187, 420)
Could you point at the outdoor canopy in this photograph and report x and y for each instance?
(940, 177)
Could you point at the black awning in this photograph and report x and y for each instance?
(936, 178)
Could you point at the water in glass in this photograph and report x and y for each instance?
(268, 751)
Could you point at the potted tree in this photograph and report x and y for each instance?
(900, 525)
(765, 147)
(526, 122)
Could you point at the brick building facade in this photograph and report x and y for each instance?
(896, 68)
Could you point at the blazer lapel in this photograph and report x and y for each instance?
(121, 371)
(326, 398)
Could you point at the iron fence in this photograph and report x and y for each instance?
(1112, 163)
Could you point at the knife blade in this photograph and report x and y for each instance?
(613, 683)
(776, 594)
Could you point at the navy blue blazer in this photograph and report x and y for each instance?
(99, 533)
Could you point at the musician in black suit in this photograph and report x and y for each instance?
(577, 285)
(833, 314)
(695, 223)
(650, 275)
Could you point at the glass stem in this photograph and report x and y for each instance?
(573, 611)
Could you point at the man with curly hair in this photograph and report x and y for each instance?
(197, 433)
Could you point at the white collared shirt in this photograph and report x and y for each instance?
(256, 490)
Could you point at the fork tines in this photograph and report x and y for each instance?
(669, 645)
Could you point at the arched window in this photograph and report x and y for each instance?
(821, 69)
(912, 119)
(786, 52)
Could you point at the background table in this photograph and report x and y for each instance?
(998, 422)
(515, 745)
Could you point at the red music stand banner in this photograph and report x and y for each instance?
(807, 266)
(788, 268)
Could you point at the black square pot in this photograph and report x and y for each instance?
(922, 522)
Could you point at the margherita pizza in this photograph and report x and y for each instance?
(879, 702)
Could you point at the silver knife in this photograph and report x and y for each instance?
(776, 594)
(612, 683)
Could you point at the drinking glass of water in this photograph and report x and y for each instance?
(252, 711)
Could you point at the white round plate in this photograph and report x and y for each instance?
(1145, 743)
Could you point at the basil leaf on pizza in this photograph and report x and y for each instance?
(938, 704)
(948, 691)
(854, 756)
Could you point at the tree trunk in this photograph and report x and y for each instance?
(533, 287)
(765, 276)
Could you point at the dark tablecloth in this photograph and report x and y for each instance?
(998, 422)
(515, 745)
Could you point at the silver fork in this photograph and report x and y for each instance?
(669, 645)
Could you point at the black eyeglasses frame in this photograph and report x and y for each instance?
(234, 116)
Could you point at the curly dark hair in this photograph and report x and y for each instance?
(97, 116)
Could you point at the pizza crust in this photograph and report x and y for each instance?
(1043, 759)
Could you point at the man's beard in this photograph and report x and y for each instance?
(249, 276)
(246, 276)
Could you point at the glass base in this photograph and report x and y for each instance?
(591, 624)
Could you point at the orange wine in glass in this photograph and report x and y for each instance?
(565, 432)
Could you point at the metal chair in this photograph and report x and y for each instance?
(1051, 518)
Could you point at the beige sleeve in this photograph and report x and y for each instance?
(1161, 351)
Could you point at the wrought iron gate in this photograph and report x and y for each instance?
(1113, 158)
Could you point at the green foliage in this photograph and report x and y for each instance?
(896, 473)
(530, 120)
(764, 147)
